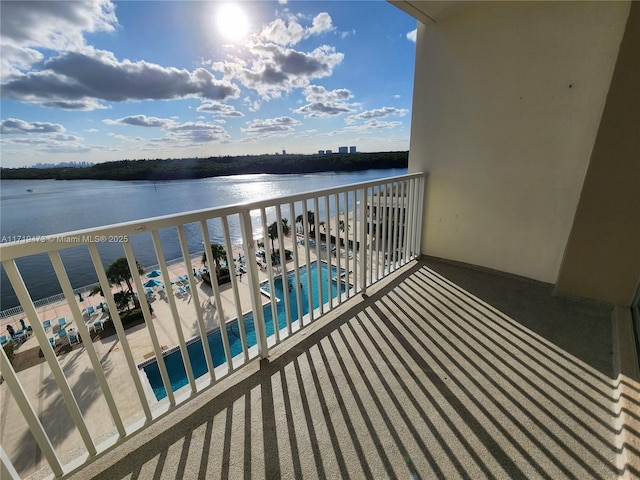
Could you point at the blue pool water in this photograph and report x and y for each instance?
(174, 363)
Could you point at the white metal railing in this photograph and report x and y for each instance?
(86, 290)
(358, 233)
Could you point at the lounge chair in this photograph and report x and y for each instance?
(98, 325)
(90, 310)
(52, 341)
(46, 325)
(73, 337)
(4, 340)
(62, 334)
(62, 321)
(27, 328)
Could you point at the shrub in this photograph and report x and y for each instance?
(223, 277)
(132, 317)
(9, 351)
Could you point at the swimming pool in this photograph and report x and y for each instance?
(174, 363)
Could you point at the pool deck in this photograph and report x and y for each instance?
(45, 397)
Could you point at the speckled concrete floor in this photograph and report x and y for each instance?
(442, 372)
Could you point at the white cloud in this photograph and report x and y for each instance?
(413, 35)
(75, 80)
(193, 133)
(378, 113)
(252, 105)
(14, 126)
(26, 27)
(323, 103)
(141, 121)
(38, 137)
(187, 133)
(221, 109)
(288, 31)
(271, 125)
(273, 70)
(373, 124)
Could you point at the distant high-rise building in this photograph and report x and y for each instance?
(284, 152)
(352, 149)
(328, 152)
(320, 152)
(342, 149)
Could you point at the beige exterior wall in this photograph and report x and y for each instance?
(508, 98)
(602, 258)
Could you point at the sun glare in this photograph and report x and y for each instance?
(232, 22)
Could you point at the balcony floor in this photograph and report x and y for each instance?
(455, 374)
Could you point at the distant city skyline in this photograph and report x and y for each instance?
(105, 81)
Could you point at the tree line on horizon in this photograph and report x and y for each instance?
(191, 168)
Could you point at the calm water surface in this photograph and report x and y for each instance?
(58, 206)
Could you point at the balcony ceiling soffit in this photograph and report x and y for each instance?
(429, 12)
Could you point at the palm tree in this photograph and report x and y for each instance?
(219, 254)
(310, 220)
(272, 231)
(119, 272)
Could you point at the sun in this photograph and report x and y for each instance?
(232, 22)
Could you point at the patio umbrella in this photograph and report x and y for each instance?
(154, 274)
(152, 283)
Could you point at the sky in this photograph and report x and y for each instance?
(105, 80)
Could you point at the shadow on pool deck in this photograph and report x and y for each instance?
(33, 356)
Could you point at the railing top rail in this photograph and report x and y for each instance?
(49, 243)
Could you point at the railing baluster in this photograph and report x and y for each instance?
(157, 348)
(363, 240)
(307, 256)
(186, 360)
(316, 229)
(67, 289)
(408, 218)
(202, 330)
(336, 216)
(327, 237)
(268, 256)
(117, 322)
(296, 267)
(21, 292)
(213, 276)
(419, 217)
(254, 288)
(370, 235)
(396, 221)
(378, 230)
(282, 262)
(30, 416)
(234, 286)
(347, 240)
(401, 232)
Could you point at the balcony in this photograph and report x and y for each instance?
(423, 378)
(416, 367)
